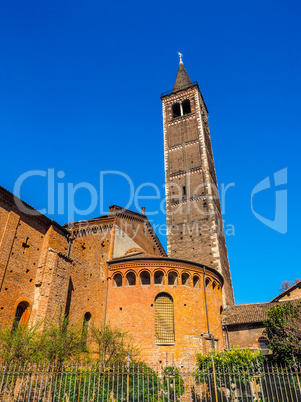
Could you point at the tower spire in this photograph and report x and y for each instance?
(182, 81)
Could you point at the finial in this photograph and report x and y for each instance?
(180, 55)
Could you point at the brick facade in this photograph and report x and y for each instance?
(190, 323)
(45, 267)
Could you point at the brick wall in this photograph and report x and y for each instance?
(138, 316)
(245, 335)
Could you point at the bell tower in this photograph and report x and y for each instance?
(195, 229)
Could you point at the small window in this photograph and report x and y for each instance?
(117, 280)
(186, 106)
(21, 315)
(207, 281)
(159, 278)
(184, 191)
(131, 279)
(263, 343)
(176, 110)
(213, 285)
(185, 279)
(196, 282)
(145, 278)
(172, 278)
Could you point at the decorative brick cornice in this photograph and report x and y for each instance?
(154, 263)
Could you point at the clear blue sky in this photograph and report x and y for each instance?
(80, 93)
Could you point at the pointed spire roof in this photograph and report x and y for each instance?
(182, 81)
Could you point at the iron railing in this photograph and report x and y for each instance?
(134, 383)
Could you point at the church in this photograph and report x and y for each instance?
(113, 269)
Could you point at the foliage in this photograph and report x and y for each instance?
(57, 341)
(238, 362)
(60, 341)
(19, 345)
(122, 383)
(113, 345)
(283, 329)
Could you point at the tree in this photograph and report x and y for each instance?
(287, 284)
(60, 341)
(283, 329)
(19, 344)
(113, 345)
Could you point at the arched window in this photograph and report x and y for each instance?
(145, 278)
(186, 106)
(172, 278)
(164, 319)
(207, 281)
(196, 281)
(22, 314)
(87, 318)
(159, 278)
(117, 280)
(263, 343)
(176, 110)
(213, 285)
(185, 279)
(131, 279)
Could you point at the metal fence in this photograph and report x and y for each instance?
(140, 383)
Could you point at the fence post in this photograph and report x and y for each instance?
(128, 380)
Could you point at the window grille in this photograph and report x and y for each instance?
(164, 319)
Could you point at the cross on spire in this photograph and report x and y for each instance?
(180, 55)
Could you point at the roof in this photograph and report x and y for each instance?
(28, 210)
(250, 313)
(182, 81)
(287, 291)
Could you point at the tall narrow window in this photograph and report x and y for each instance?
(87, 318)
(176, 110)
(21, 315)
(186, 106)
(164, 319)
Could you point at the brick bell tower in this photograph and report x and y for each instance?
(195, 229)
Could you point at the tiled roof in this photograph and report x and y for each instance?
(249, 313)
(287, 291)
